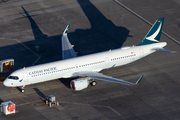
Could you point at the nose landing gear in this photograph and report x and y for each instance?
(22, 88)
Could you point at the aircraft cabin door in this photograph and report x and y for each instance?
(25, 77)
(76, 67)
(141, 53)
(107, 62)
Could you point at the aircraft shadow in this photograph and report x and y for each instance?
(66, 81)
(38, 35)
(1, 101)
(41, 95)
(102, 36)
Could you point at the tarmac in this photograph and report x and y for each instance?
(95, 26)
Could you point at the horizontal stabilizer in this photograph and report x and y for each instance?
(163, 50)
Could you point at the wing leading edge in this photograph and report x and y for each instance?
(99, 76)
(67, 48)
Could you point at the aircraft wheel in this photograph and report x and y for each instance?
(93, 83)
(22, 90)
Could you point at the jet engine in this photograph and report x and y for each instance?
(79, 84)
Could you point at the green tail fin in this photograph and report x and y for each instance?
(154, 34)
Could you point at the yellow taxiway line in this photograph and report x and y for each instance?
(144, 67)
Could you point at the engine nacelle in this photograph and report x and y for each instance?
(79, 84)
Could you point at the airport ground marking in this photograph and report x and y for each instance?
(83, 104)
(28, 103)
(44, 83)
(53, 85)
(60, 83)
(38, 6)
(146, 21)
(25, 100)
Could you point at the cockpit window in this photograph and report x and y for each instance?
(13, 77)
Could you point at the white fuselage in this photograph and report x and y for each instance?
(94, 62)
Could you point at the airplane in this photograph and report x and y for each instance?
(86, 68)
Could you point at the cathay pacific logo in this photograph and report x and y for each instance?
(153, 36)
(67, 29)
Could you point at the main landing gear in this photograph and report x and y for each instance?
(93, 83)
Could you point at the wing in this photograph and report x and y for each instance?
(99, 76)
(67, 48)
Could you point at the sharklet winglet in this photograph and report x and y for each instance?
(139, 80)
(66, 30)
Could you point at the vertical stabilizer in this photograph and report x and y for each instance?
(154, 34)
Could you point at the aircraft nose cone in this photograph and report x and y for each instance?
(6, 83)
